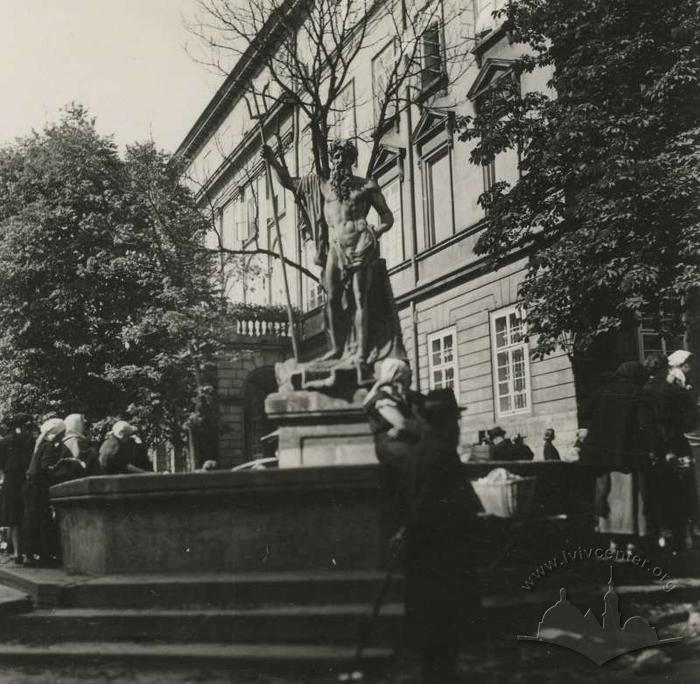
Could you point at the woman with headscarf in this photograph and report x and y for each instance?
(390, 407)
(123, 452)
(51, 464)
(78, 445)
(15, 455)
(617, 450)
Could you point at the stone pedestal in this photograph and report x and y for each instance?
(293, 520)
(316, 429)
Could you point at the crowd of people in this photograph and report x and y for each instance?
(34, 460)
(634, 440)
(637, 443)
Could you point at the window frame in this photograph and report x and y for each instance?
(383, 182)
(376, 60)
(454, 364)
(438, 70)
(340, 117)
(426, 163)
(641, 331)
(506, 312)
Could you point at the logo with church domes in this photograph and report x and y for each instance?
(563, 625)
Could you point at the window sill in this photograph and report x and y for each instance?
(451, 240)
(510, 414)
(388, 124)
(489, 39)
(439, 83)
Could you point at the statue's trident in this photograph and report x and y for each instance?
(259, 117)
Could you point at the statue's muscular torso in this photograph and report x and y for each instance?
(347, 218)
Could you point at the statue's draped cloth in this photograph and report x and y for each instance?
(385, 339)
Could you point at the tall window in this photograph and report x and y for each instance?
(227, 224)
(432, 55)
(307, 152)
(438, 181)
(280, 198)
(392, 242)
(651, 341)
(511, 363)
(249, 215)
(442, 360)
(382, 65)
(344, 113)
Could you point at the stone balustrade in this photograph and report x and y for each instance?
(260, 327)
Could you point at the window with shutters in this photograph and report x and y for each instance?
(511, 362)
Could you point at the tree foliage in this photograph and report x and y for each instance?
(608, 194)
(107, 307)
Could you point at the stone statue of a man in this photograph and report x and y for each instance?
(347, 245)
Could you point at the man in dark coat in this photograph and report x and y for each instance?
(441, 596)
(15, 456)
(502, 448)
(668, 412)
(618, 451)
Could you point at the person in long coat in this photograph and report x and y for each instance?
(15, 456)
(617, 449)
(669, 412)
(440, 589)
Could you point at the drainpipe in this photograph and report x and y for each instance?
(414, 237)
(412, 187)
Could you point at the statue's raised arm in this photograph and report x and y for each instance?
(284, 178)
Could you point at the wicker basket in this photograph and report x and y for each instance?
(506, 499)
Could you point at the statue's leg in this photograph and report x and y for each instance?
(334, 294)
(361, 281)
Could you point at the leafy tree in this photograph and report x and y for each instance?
(607, 199)
(107, 306)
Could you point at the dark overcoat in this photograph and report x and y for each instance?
(440, 508)
(15, 455)
(615, 439)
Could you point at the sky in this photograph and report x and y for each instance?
(125, 60)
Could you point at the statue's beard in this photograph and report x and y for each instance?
(341, 181)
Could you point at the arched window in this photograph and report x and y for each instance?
(259, 384)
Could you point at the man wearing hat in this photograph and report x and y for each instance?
(503, 449)
(441, 596)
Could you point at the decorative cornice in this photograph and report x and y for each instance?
(430, 123)
(493, 69)
(387, 157)
(232, 89)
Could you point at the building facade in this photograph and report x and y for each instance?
(461, 321)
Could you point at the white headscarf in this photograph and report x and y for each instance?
(391, 372)
(75, 431)
(675, 361)
(49, 431)
(123, 430)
